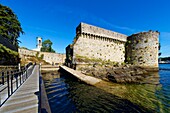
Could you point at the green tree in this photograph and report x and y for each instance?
(10, 27)
(47, 46)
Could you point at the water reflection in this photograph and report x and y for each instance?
(67, 94)
(91, 99)
(163, 93)
(140, 94)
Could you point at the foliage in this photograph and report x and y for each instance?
(37, 54)
(47, 46)
(10, 27)
(42, 56)
(24, 48)
(95, 60)
(35, 59)
(129, 42)
(128, 59)
(86, 59)
(8, 56)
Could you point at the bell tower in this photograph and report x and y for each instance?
(39, 43)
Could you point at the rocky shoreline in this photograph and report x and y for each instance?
(120, 74)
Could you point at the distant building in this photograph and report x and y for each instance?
(39, 44)
(52, 58)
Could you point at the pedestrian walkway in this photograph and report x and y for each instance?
(25, 99)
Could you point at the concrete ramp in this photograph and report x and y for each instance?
(87, 79)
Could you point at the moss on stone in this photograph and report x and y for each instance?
(95, 60)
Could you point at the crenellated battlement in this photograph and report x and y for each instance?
(84, 28)
(153, 33)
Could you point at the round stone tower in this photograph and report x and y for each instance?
(142, 49)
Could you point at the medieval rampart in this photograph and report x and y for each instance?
(139, 49)
(95, 42)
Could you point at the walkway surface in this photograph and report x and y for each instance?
(87, 79)
(25, 99)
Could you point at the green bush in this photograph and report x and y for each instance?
(42, 56)
(37, 54)
(8, 56)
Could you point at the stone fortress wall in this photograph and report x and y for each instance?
(95, 42)
(97, 31)
(142, 49)
(52, 58)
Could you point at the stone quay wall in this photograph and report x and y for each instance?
(142, 49)
(52, 58)
(95, 42)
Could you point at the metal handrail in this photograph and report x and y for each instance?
(7, 72)
(7, 79)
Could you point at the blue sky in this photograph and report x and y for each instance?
(57, 19)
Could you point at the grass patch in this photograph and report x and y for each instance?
(95, 60)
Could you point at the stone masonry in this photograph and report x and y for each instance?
(99, 43)
(52, 58)
(142, 49)
(94, 42)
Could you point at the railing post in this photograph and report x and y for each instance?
(8, 84)
(3, 81)
(11, 82)
(16, 77)
(20, 74)
(26, 72)
(23, 75)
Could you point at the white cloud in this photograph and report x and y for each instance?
(116, 26)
